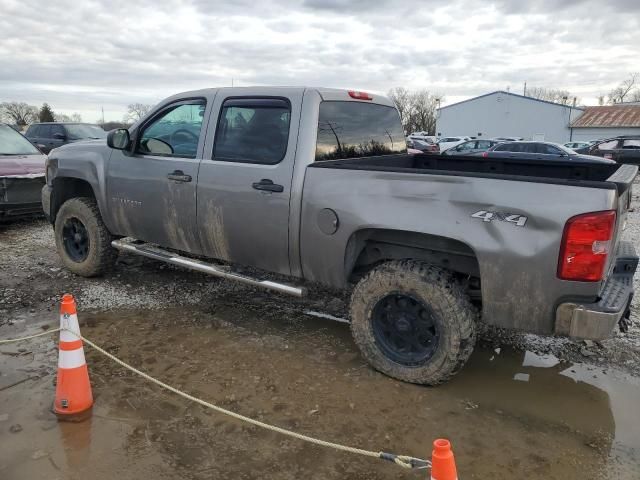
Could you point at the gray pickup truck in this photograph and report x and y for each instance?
(316, 184)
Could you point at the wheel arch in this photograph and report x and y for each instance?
(66, 188)
(367, 248)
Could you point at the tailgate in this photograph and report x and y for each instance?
(623, 179)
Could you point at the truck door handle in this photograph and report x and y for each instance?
(179, 176)
(267, 185)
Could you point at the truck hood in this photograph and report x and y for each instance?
(80, 144)
(22, 165)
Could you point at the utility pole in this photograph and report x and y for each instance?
(330, 125)
(524, 93)
(102, 115)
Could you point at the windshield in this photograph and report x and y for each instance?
(12, 143)
(79, 131)
(358, 129)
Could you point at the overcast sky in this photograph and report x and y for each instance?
(83, 55)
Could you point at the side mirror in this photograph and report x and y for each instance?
(119, 139)
(59, 136)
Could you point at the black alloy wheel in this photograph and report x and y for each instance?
(405, 329)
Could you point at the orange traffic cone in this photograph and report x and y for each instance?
(443, 465)
(73, 390)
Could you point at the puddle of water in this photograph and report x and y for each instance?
(509, 414)
(600, 406)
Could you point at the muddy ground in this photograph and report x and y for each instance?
(524, 407)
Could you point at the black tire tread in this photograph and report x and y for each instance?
(441, 286)
(102, 256)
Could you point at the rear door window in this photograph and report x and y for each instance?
(631, 144)
(253, 130)
(610, 145)
(59, 129)
(358, 129)
(44, 131)
(547, 149)
(510, 147)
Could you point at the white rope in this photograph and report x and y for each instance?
(22, 339)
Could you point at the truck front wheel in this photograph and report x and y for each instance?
(413, 322)
(82, 239)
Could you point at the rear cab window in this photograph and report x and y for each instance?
(358, 129)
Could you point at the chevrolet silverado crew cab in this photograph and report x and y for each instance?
(315, 184)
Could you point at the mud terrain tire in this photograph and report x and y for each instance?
(384, 303)
(82, 239)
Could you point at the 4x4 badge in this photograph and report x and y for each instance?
(487, 216)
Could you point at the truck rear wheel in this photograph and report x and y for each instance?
(82, 239)
(413, 322)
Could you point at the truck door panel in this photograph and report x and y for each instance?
(244, 190)
(152, 193)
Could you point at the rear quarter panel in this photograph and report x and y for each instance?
(517, 264)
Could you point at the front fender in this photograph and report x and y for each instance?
(85, 162)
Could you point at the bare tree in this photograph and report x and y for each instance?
(563, 97)
(417, 109)
(19, 113)
(629, 88)
(136, 111)
(422, 115)
(74, 117)
(402, 99)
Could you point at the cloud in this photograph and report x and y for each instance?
(81, 56)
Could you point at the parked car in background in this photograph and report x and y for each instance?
(22, 169)
(539, 151)
(47, 136)
(470, 147)
(424, 136)
(576, 145)
(623, 149)
(423, 146)
(447, 142)
(508, 139)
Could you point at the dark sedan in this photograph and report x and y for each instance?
(48, 136)
(625, 149)
(540, 151)
(422, 145)
(471, 147)
(22, 169)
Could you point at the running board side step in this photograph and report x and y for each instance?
(151, 251)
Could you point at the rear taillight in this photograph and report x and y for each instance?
(586, 243)
(485, 154)
(360, 95)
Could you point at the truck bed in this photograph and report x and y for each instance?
(593, 175)
(446, 199)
